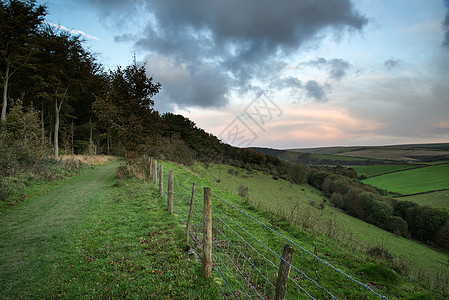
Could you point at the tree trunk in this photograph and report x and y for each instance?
(107, 140)
(91, 142)
(56, 141)
(57, 110)
(42, 123)
(5, 93)
(73, 149)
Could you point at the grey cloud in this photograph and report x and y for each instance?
(186, 85)
(240, 37)
(316, 91)
(391, 63)
(446, 30)
(336, 67)
(290, 82)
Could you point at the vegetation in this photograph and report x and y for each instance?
(97, 236)
(408, 265)
(376, 170)
(413, 181)
(432, 199)
(58, 100)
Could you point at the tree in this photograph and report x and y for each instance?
(66, 68)
(19, 25)
(128, 110)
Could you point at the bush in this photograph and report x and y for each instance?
(380, 252)
(337, 200)
(379, 273)
(20, 144)
(244, 192)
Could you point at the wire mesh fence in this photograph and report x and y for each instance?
(247, 252)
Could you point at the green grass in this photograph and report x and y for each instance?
(336, 157)
(93, 236)
(432, 199)
(413, 181)
(280, 196)
(376, 170)
(346, 248)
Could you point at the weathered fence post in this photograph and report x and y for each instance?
(207, 234)
(171, 176)
(150, 171)
(154, 173)
(284, 272)
(161, 180)
(190, 217)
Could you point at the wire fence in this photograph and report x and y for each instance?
(247, 253)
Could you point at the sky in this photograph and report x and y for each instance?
(282, 74)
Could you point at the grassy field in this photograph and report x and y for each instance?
(376, 170)
(413, 181)
(93, 236)
(393, 154)
(300, 203)
(433, 199)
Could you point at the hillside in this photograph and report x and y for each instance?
(363, 155)
(347, 242)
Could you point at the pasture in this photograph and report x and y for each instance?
(413, 181)
(433, 199)
(376, 170)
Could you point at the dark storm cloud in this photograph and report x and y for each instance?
(446, 29)
(336, 67)
(391, 63)
(235, 38)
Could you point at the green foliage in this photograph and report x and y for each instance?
(20, 145)
(175, 149)
(420, 296)
(128, 113)
(298, 173)
(425, 222)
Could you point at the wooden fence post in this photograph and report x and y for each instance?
(171, 176)
(189, 218)
(150, 173)
(154, 167)
(161, 180)
(207, 234)
(284, 272)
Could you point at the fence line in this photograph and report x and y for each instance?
(243, 266)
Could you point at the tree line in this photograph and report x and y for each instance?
(404, 218)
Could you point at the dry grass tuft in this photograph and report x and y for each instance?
(90, 159)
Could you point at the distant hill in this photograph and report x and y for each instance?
(363, 155)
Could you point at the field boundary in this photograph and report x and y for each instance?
(245, 264)
(407, 169)
(420, 193)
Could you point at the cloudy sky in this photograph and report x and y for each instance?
(283, 74)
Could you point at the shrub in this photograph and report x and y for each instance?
(380, 252)
(337, 200)
(244, 192)
(379, 273)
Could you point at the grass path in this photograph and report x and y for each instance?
(92, 237)
(32, 234)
